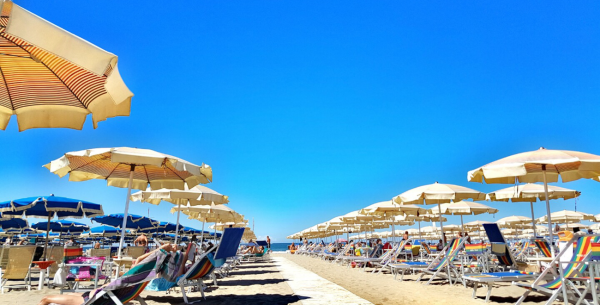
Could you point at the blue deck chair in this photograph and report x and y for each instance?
(506, 262)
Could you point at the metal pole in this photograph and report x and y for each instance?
(441, 224)
(177, 225)
(124, 226)
(548, 209)
(47, 235)
(533, 220)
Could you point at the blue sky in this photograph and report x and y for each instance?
(308, 110)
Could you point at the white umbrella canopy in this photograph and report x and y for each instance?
(574, 225)
(531, 193)
(543, 165)
(54, 79)
(130, 168)
(198, 195)
(566, 216)
(514, 221)
(476, 225)
(438, 193)
(462, 208)
(390, 208)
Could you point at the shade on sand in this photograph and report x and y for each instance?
(130, 168)
(52, 78)
(543, 165)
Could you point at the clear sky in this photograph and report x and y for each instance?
(308, 110)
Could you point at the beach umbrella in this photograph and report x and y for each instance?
(105, 231)
(49, 207)
(13, 223)
(573, 225)
(531, 193)
(543, 165)
(52, 78)
(566, 216)
(198, 195)
(390, 208)
(438, 193)
(133, 222)
(462, 208)
(515, 222)
(61, 226)
(132, 168)
(475, 225)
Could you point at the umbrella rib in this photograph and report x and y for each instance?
(89, 164)
(146, 171)
(60, 79)
(7, 90)
(176, 174)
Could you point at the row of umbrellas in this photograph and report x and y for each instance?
(530, 167)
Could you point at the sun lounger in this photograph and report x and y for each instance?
(135, 251)
(18, 267)
(443, 267)
(415, 266)
(79, 269)
(506, 262)
(129, 286)
(562, 285)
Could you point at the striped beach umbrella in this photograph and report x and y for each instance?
(132, 168)
(52, 78)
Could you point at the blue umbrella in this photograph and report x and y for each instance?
(20, 231)
(13, 223)
(105, 231)
(49, 206)
(62, 226)
(163, 227)
(134, 222)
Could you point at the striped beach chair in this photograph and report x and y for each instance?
(563, 285)
(193, 277)
(443, 267)
(129, 286)
(543, 247)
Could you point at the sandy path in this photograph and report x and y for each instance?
(383, 289)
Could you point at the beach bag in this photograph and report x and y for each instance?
(60, 277)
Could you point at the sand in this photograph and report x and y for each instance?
(265, 283)
(383, 289)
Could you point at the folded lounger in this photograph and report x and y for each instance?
(505, 260)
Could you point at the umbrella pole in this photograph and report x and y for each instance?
(47, 233)
(462, 226)
(202, 235)
(124, 226)
(548, 209)
(441, 224)
(420, 236)
(177, 226)
(533, 220)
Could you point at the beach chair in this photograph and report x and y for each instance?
(18, 267)
(563, 285)
(129, 286)
(506, 262)
(230, 242)
(81, 269)
(474, 259)
(4, 257)
(418, 265)
(444, 268)
(200, 269)
(521, 254)
(135, 251)
(389, 257)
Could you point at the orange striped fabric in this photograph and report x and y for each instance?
(31, 76)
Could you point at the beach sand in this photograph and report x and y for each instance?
(263, 283)
(251, 283)
(383, 289)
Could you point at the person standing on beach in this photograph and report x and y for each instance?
(268, 242)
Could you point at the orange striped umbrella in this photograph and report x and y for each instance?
(51, 78)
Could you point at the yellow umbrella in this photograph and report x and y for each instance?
(438, 193)
(543, 165)
(130, 168)
(52, 78)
